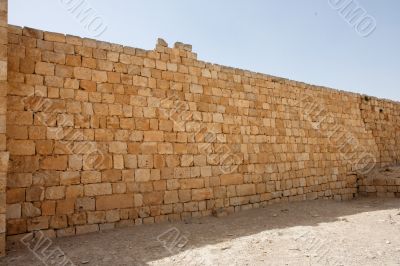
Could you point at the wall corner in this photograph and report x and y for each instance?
(3, 112)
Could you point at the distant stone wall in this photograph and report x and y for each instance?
(382, 118)
(3, 113)
(101, 135)
(381, 182)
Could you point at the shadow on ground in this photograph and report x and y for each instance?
(140, 245)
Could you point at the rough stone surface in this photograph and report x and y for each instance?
(4, 155)
(301, 233)
(381, 182)
(98, 133)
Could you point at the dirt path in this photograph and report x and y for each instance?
(360, 232)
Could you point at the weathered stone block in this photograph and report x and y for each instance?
(117, 201)
(90, 177)
(43, 68)
(202, 194)
(54, 193)
(231, 179)
(245, 189)
(171, 197)
(153, 198)
(54, 37)
(97, 189)
(156, 136)
(142, 175)
(85, 204)
(54, 163)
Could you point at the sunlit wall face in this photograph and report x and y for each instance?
(347, 44)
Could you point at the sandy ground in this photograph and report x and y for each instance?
(365, 231)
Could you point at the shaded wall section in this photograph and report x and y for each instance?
(3, 112)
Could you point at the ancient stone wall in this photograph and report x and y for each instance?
(380, 182)
(3, 113)
(101, 135)
(382, 118)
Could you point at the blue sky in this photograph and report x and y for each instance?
(304, 40)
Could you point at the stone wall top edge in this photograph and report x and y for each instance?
(245, 72)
